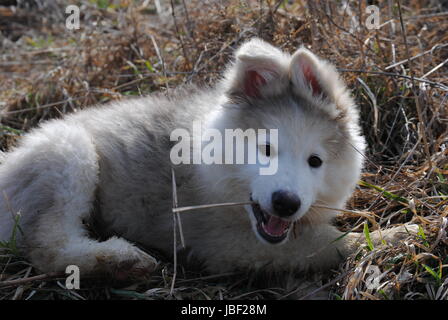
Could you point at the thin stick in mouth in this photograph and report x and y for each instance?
(234, 204)
(340, 210)
(213, 205)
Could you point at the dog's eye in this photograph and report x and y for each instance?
(265, 149)
(314, 161)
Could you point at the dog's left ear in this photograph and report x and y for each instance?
(318, 80)
(305, 71)
(314, 77)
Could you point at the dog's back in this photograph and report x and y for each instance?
(111, 160)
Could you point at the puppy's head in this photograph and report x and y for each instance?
(318, 147)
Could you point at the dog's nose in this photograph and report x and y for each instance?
(285, 203)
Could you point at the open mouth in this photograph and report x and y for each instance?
(271, 228)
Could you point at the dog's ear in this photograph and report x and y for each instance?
(259, 70)
(306, 73)
(319, 81)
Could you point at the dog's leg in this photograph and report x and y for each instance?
(330, 246)
(51, 180)
(393, 236)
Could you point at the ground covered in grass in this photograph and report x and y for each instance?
(398, 74)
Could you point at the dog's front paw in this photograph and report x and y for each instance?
(134, 264)
(394, 236)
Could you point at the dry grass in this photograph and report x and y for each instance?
(398, 76)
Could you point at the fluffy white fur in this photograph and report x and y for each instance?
(108, 168)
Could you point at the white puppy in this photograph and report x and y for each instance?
(108, 169)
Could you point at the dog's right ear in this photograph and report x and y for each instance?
(259, 70)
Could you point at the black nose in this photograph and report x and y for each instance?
(285, 203)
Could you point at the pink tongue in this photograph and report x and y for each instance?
(276, 226)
